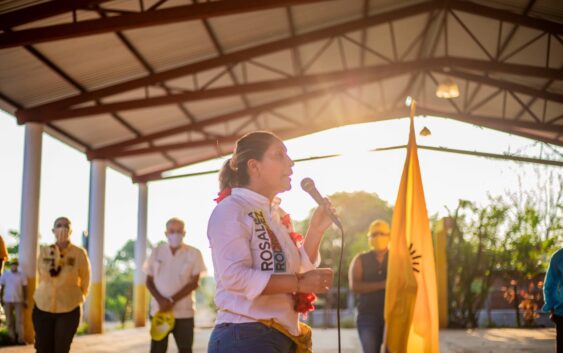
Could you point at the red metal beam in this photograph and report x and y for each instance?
(492, 155)
(138, 20)
(506, 16)
(185, 145)
(472, 35)
(57, 133)
(161, 148)
(344, 76)
(246, 112)
(241, 55)
(504, 85)
(11, 101)
(502, 47)
(157, 174)
(52, 114)
(44, 10)
(196, 11)
(493, 123)
(283, 134)
(420, 147)
(299, 98)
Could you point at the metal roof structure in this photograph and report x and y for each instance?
(153, 85)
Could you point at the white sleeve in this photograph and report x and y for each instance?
(229, 238)
(306, 264)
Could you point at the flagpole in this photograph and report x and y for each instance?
(412, 104)
(411, 304)
(413, 109)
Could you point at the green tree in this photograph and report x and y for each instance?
(356, 211)
(13, 249)
(472, 254)
(534, 231)
(119, 282)
(509, 239)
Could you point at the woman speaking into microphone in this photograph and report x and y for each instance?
(265, 272)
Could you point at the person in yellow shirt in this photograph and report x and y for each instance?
(64, 279)
(3, 254)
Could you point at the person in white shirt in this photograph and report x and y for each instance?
(173, 271)
(14, 299)
(261, 266)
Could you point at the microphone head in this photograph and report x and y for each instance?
(307, 185)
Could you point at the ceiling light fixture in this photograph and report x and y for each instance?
(448, 89)
(425, 132)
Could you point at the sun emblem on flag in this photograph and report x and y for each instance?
(415, 257)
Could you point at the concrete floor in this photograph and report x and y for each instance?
(325, 341)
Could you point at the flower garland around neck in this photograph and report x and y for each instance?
(302, 302)
(57, 264)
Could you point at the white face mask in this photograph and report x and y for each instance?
(62, 234)
(175, 239)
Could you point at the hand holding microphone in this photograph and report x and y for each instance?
(320, 222)
(317, 281)
(326, 208)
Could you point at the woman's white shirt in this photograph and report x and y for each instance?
(244, 259)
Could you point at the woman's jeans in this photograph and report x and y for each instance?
(370, 329)
(249, 337)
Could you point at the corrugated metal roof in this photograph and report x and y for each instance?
(28, 81)
(173, 44)
(94, 61)
(276, 68)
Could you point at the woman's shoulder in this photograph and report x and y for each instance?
(229, 214)
(231, 208)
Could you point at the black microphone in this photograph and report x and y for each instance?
(308, 185)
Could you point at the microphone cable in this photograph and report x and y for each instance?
(308, 185)
(338, 286)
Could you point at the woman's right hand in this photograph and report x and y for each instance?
(317, 281)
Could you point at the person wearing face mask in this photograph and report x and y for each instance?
(368, 273)
(14, 299)
(173, 271)
(64, 280)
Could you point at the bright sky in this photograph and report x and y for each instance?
(446, 177)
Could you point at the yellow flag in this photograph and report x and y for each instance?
(411, 301)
